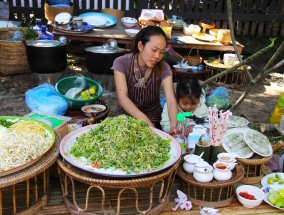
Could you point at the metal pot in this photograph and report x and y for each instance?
(99, 59)
(46, 56)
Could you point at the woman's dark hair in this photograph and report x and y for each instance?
(144, 36)
(188, 88)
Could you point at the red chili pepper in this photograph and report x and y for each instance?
(246, 195)
(95, 165)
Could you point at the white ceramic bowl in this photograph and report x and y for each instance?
(90, 110)
(226, 157)
(129, 22)
(131, 32)
(257, 192)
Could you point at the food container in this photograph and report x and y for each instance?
(46, 56)
(131, 32)
(95, 55)
(224, 36)
(129, 22)
(93, 110)
(252, 190)
(65, 84)
(191, 29)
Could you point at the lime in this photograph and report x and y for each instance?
(272, 197)
(281, 193)
(84, 95)
(92, 91)
(279, 203)
(270, 180)
(278, 176)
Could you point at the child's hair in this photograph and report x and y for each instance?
(188, 88)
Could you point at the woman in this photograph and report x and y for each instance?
(138, 77)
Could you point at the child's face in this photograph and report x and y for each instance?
(186, 104)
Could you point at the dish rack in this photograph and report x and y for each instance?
(212, 194)
(254, 166)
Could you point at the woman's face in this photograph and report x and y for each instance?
(186, 104)
(153, 51)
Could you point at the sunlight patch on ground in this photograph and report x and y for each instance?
(273, 89)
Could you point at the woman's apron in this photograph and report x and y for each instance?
(147, 99)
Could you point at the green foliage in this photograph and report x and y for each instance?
(30, 34)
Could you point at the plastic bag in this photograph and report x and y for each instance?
(44, 99)
(218, 97)
(278, 110)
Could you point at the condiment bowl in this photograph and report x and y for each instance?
(131, 32)
(129, 22)
(93, 110)
(226, 157)
(252, 190)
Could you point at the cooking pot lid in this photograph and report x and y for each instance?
(104, 49)
(43, 43)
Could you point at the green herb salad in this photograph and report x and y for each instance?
(123, 143)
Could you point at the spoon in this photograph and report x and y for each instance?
(201, 154)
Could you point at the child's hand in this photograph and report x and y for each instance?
(187, 130)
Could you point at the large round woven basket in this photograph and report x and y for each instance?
(254, 166)
(212, 194)
(13, 54)
(118, 14)
(50, 11)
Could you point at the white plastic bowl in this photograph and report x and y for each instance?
(129, 22)
(131, 32)
(257, 192)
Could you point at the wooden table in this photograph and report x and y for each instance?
(117, 32)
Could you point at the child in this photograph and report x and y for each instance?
(190, 98)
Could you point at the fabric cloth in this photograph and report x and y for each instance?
(200, 111)
(146, 98)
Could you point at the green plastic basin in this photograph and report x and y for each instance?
(64, 84)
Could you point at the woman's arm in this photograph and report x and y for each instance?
(171, 101)
(124, 101)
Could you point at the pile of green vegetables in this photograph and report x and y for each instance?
(123, 143)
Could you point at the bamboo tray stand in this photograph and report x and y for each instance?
(88, 193)
(27, 191)
(254, 166)
(210, 194)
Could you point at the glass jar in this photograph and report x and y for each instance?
(44, 34)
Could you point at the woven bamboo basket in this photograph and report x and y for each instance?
(232, 80)
(96, 194)
(50, 12)
(193, 60)
(13, 58)
(118, 14)
(212, 194)
(27, 191)
(254, 166)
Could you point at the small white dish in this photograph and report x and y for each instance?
(131, 32)
(226, 157)
(93, 110)
(63, 18)
(129, 22)
(252, 190)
